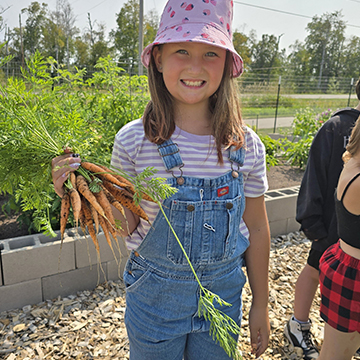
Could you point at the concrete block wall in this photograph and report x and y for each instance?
(32, 268)
(281, 210)
(30, 271)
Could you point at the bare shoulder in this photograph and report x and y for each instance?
(351, 199)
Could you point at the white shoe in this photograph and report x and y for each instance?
(299, 336)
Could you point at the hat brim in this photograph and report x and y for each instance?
(200, 33)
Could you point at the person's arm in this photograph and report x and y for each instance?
(128, 223)
(257, 265)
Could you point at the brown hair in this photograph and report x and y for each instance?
(353, 146)
(357, 89)
(227, 124)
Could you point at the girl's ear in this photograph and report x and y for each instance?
(157, 57)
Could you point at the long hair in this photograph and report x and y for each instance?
(353, 147)
(226, 121)
(357, 89)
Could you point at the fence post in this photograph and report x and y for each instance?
(277, 103)
(351, 85)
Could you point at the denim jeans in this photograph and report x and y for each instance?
(162, 293)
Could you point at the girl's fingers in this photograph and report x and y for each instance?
(59, 182)
(61, 167)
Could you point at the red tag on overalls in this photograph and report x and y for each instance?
(223, 191)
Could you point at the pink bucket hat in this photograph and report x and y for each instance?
(206, 21)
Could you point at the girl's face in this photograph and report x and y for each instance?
(192, 72)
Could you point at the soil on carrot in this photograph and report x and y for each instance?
(279, 177)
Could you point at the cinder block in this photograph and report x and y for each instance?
(292, 225)
(116, 269)
(71, 282)
(282, 207)
(278, 227)
(34, 256)
(86, 254)
(18, 295)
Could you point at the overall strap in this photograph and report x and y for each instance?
(170, 155)
(347, 186)
(237, 156)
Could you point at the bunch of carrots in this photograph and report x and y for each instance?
(90, 191)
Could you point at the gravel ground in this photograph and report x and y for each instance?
(89, 325)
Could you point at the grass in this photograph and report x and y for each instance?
(251, 110)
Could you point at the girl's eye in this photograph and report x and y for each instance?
(211, 54)
(181, 51)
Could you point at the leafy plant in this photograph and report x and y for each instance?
(77, 113)
(305, 126)
(272, 148)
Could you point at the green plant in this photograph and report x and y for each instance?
(305, 126)
(272, 147)
(78, 113)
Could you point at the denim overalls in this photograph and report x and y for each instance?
(161, 291)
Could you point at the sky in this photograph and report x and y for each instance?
(286, 19)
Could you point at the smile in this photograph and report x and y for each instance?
(195, 83)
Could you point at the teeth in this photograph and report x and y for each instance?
(192, 83)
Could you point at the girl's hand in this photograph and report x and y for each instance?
(259, 330)
(61, 167)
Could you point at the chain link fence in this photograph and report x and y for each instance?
(263, 95)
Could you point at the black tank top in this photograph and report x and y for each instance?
(348, 223)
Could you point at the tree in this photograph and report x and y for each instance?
(32, 34)
(266, 56)
(65, 20)
(242, 44)
(54, 39)
(298, 67)
(126, 35)
(350, 58)
(325, 44)
(150, 26)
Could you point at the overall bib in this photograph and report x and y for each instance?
(161, 291)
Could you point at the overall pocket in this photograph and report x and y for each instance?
(207, 230)
(134, 275)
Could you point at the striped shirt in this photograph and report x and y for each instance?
(133, 152)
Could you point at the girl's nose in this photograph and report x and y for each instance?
(195, 64)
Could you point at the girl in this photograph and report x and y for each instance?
(340, 264)
(193, 134)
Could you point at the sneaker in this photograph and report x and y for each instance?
(299, 336)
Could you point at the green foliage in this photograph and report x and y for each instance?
(41, 115)
(305, 126)
(272, 148)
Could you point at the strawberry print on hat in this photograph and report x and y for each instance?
(206, 21)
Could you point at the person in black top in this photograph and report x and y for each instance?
(316, 214)
(340, 264)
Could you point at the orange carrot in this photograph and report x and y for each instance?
(95, 217)
(64, 213)
(127, 184)
(76, 204)
(83, 188)
(106, 228)
(82, 216)
(102, 173)
(105, 204)
(125, 200)
(113, 201)
(90, 226)
(73, 179)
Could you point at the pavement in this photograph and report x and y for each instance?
(268, 123)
